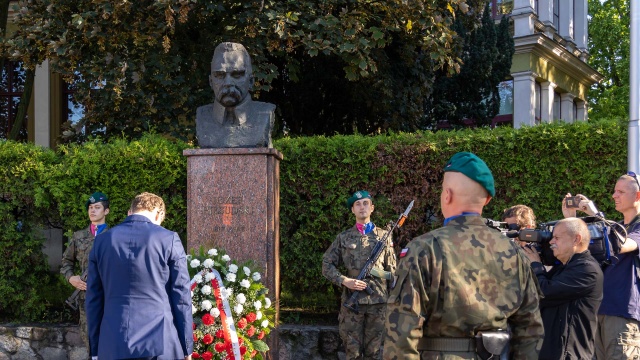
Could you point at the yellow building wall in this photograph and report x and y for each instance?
(547, 71)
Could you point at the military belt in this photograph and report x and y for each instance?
(447, 344)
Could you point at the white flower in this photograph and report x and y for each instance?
(209, 277)
(208, 263)
(247, 271)
(206, 289)
(228, 292)
(265, 323)
(212, 252)
(245, 283)
(231, 277)
(215, 312)
(238, 309)
(258, 315)
(188, 257)
(193, 309)
(257, 305)
(226, 257)
(233, 268)
(267, 303)
(256, 276)
(241, 298)
(198, 278)
(195, 263)
(206, 305)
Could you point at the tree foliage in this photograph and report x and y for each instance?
(145, 64)
(487, 52)
(609, 33)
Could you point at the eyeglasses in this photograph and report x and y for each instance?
(633, 175)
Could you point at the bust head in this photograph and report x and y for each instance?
(231, 74)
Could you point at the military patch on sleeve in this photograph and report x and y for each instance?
(404, 252)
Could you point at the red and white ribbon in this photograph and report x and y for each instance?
(226, 316)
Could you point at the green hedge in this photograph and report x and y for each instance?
(533, 166)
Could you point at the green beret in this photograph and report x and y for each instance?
(96, 197)
(474, 168)
(358, 195)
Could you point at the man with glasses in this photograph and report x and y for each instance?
(618, 335)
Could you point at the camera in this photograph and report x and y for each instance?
(539, 238)
(572, 202)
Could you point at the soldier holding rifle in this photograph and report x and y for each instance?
(361, 326)
(78, 251)
(463, 291)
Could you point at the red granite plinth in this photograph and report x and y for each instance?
(233, 203)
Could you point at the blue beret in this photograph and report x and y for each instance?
(474, 168)
(358, 195)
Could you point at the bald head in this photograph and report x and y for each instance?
(460, 194)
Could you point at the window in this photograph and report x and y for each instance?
(505, 90)
(505, 114)
(501, 7)
(556, 14)
(12, 82)
(557, 113)
(538, 103)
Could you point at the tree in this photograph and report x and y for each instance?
(354, 65)
(609, 33)
(486, 61)
(21, 114)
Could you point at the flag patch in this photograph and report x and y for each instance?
(404, 252)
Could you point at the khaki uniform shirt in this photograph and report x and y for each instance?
(460, 279)
(350, 251)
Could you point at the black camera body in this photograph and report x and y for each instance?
(599, 246)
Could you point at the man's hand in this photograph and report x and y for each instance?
(532, 254)
(354, 284)
(188, 357)
(77, 282)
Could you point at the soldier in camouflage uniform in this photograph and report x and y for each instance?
(78, 251)
(362, 333)
(462, 279)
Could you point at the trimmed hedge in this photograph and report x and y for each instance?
(533, 166)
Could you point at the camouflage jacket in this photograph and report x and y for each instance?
(77, 251)
(350, 251)
(460, 279)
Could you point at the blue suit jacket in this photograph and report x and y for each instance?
(138, 299)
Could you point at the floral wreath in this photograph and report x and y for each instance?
(231, 314)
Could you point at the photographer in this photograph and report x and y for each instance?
(572, 293)
(618, 335)
(519, 217)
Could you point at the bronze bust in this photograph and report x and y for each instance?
(233, 120)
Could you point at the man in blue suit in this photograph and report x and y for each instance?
(138, 299)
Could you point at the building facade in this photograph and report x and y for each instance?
(550, 75)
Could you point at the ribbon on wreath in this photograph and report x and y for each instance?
(226, 317)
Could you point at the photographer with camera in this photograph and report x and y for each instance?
(572, 293)
(519, 217)
(618, 335)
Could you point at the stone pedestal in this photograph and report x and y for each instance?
(233, 202)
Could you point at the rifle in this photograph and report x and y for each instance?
(352, 303)
(72, 301)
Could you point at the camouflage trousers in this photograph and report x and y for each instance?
(84, 330)
(362, 334)
(617, 338)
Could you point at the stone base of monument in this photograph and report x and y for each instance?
(233, 202)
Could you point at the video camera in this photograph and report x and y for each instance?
(539, 238)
